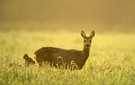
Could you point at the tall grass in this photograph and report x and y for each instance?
(111, 62)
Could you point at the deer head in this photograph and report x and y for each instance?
(28, 60)
(87, 39)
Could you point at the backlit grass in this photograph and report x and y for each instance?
(111, 60)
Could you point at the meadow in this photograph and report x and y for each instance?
(111, 60)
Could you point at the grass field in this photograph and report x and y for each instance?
(111, 62)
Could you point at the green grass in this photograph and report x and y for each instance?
(111, 62)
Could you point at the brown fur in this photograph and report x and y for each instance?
(58, 57)
(28, 60)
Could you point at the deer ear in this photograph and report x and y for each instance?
(92, 34)
(25, 56)
(83, 34)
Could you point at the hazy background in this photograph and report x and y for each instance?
(68, 15)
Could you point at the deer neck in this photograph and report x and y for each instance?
(85, 53)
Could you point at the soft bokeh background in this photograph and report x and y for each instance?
(68, 15)
(28, 25)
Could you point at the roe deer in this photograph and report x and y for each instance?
(28, 60)
(58, 56)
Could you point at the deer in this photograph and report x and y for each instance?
(58, 57)
(28, 61)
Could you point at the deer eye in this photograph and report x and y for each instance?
(84, 40)
(90, 41)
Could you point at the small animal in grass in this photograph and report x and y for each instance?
(58, 56)
(28, 60)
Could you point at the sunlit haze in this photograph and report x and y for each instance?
(68, 15)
